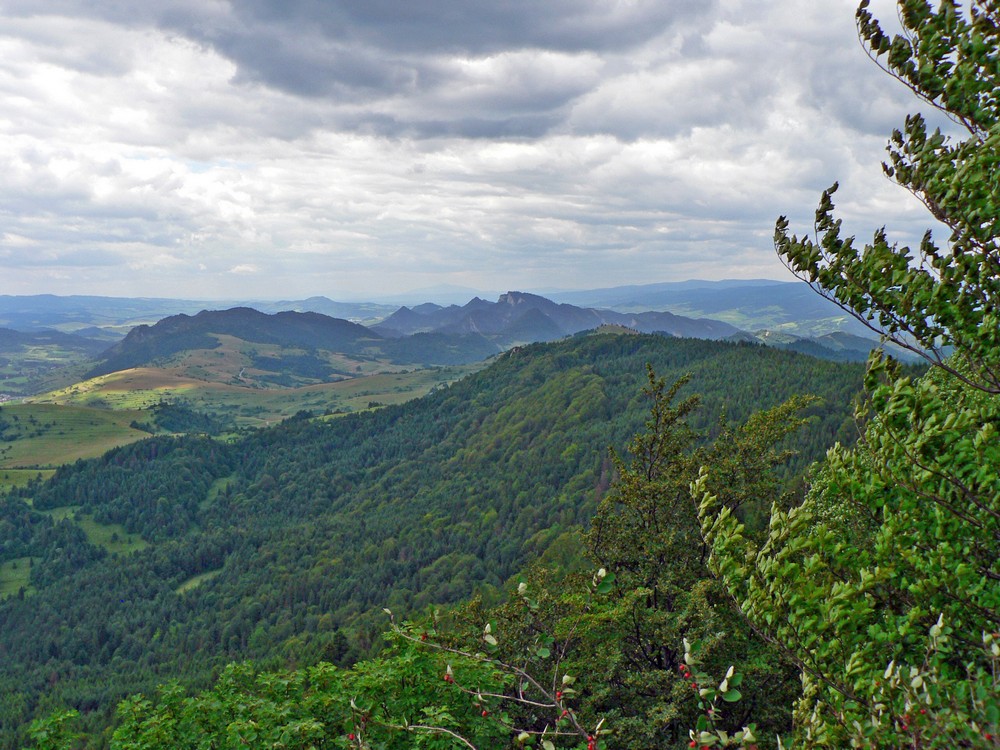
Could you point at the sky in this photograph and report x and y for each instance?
(279, 149)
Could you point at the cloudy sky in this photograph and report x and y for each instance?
(220, 149)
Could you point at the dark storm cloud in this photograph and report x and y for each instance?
(374, 54)
(469, 27)
(357, 49)
(377, 52)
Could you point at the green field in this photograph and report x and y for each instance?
(14, 575)
(91, 417)
(247, 406)
(196, 581)
(10, 478)
(48, 435)
(113, 536)
(34, 369)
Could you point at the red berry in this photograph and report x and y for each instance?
(351, 736)
(485, 712)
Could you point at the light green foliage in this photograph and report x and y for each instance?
(712, 697)
(933, 299)
(883, 585)
(530, 640)
(55, 732)
(892, 556)
(401, 701)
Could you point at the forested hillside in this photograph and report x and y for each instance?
(285, 547)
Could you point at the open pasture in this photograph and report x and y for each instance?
(245, 406)
(48, 435)
(14, 575)
(10, 478)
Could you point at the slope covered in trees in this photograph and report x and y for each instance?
(880, 586)
(285, 547)
(883, 586)
(561, 656)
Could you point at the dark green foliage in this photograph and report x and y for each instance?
(302, 365)
(307, 530)
(153, 487)
(176, 416)
(646, 531)
(439, 348)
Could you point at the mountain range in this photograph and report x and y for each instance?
(521, 314)
(750, 305)
(312, 341)
(427, 335)
(166, 559)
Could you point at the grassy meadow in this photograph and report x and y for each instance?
(46, 435)
(247, 406)
(10, 478)
(14, 575)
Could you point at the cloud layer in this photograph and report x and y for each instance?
(281, 148)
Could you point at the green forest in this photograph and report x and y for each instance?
(606, 542)
(285, 547)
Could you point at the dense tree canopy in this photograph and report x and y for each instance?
(881, 585)
(884, 585)
(285, 546)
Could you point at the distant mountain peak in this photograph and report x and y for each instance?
(520, 298)
(519, 317)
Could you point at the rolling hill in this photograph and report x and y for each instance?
(288, 330)
(284, 546)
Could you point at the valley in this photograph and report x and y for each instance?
(268, 483)
(245, 545)
(726, 514)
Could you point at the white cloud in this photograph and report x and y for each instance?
(154, 154)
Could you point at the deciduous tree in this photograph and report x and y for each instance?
(884, 585)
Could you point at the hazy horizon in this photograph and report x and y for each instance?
(453, 293)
